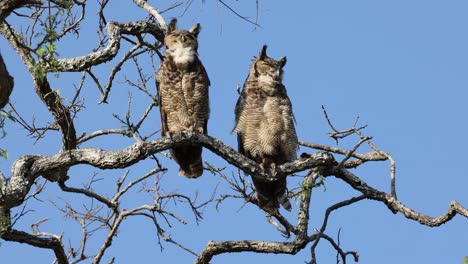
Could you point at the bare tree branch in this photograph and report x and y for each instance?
(103, 213)
(115, 31)
(155, 13)
(214, 248)
(49, 243)
(26, 169)
(239, 15)
(393, 204)
(325, 222)
(50, 98)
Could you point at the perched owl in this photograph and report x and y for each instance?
(183, 84)
(265, 127)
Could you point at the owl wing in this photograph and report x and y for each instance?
(293, 143)
(162, 111)
(195, 97)
(205, 74)
(208, 83)
(238, 111)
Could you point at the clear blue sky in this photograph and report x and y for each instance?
(400, 65)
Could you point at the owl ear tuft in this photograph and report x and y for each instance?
(172, 26)
(282, 61)
(195, 29)
(262, 55)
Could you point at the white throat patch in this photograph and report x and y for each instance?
(266, 79)
(182, 55)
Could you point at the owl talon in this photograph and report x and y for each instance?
(172, 134)
(169, 134)
(273, 170)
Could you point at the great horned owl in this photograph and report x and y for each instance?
(265, 127)
(183, 84)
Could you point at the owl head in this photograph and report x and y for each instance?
(181, 45)
(267, 69)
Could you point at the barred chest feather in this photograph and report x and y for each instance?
(275, 128)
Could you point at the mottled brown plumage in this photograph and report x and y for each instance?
(183, 84)
(265, 127)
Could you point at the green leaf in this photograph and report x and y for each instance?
(41, 51)
(465, 260)
(52, 48)
(12, 118)
(8, 115)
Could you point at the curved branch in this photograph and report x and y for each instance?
(50, 98)
(26, 169)
(393, 204)
(349, 164)
(7, 6)
(40, 242)
(115, 31)
(155, 13)
(340, 251)
(329, 210)
(98, 133)
(107, 202)
(216, 248)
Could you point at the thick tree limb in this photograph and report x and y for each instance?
(26, 169)
(115, 31)
(40, 242)
(7, 6)
(215, 248)
(50, 98)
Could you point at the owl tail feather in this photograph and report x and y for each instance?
(189, 159)
(272, 205)
(193, 170)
